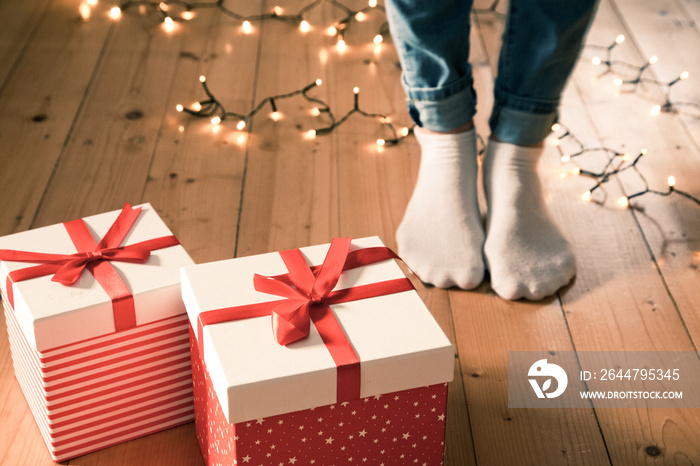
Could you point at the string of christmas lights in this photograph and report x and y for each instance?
(214, 110)
(618, 162)
(173, 11)
(630, 82)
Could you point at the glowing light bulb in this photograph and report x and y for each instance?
(596, 61)
(620, 39)
(164, 6)
(556, 142)
(241, 125)
(565, 158)
(625, 157)
(310, 134)
(331, 31)
(684, 75)
(360, 16)
(315, 111)
(115, 13)
(643, 151)
(187, 15)
(355, 90)
(202, 78)
(92, 2)
(617, 82)
(671, 181)
(319, 82)
(168, 24)
(586, 196)
(653, 59)
(247, 27)
(179, 107)
(276, 116)
(215, 120)
(404, 132)
(378, 39)
(304, 26)
(655, 110)
(85, 11)
(341, 45)
(181, 129)
(372, 3)
(623, 202)
(196, 106)
(381, 142)
(556, 127)
(576, 171)
(278, 10)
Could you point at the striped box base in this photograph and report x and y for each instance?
(100, 392)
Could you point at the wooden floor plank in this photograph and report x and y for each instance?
(195, 177)
(671, 225)
(622, 302)
(18, 22)
(112, 144)
(39, 105)
(289, 197)
(666, 30)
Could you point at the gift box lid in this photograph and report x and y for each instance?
(399, 344)
(51, 314)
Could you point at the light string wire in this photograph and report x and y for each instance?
(631, 82)
(618, 163)
(188, 11)
(214, 110)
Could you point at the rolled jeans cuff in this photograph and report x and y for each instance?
(442, 109)
(521, 127)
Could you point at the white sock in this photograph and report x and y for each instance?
(526, 254)
(441, 236)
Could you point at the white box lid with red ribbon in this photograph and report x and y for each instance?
(91, 277)
(370, 333)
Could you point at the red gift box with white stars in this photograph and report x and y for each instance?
(259, 402)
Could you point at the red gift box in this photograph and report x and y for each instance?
(261, 402)
(95, 374)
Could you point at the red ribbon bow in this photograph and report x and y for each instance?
(94, 256)
(304, 290)
(308, 293)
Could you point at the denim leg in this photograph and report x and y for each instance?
(541, 43)
(432, 40)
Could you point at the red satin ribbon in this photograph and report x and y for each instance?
(308, 295)
(95, 257)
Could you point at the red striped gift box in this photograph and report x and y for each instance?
(98, 391)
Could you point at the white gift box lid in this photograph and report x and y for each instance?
(399, 344)
(51, 314)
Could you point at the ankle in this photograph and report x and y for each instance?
(493, 137)
(468, 126)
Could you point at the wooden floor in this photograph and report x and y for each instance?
(88, 121)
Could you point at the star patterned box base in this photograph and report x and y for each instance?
(89, 389)
(406, 427)
(263, 401)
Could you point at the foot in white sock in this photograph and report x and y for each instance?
(526, 254)
(440, 236)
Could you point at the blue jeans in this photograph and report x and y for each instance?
(541, 43)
